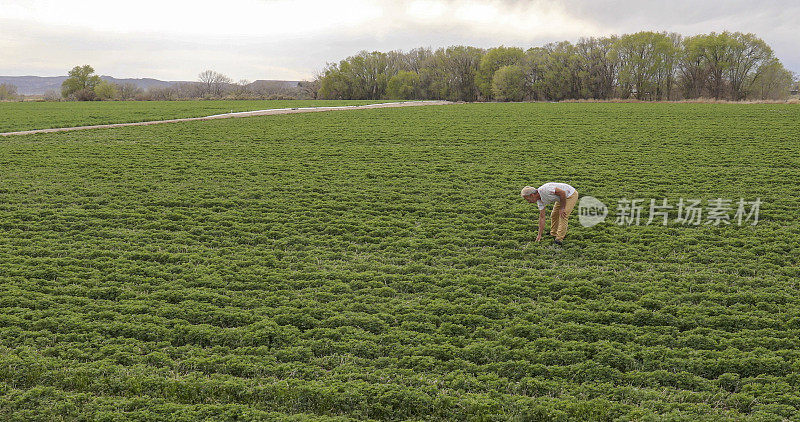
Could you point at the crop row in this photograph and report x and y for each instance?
(18, 116)
(381, 265)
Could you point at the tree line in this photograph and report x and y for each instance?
(645, 66)
(83, 85)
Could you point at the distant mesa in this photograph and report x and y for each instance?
(39, 85)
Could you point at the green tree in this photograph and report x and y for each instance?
(80, 83)
(417, 59)
(432, 84)
(494, 59)
(333, 82)
(8, 91)
(456, 67)
(649, 65)
(646, 64)
(370, 74)
(748, 56)
(669, 56)
(508, 83)
(561, 72)
(716, 50)
(598, 66)
(360, 77)
(402, 86)
(106, 90)
(693, 67)
(534, 67)
(772, 82)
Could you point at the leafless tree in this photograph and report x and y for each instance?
(188, 90)
(214, 83)
(309, 89)
(271, 90)
(242, 90)
(52, 95)
(128, 91)
(167, 93)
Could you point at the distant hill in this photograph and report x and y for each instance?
(38, 85)
(271, 82)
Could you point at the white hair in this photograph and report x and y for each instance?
(528, 190)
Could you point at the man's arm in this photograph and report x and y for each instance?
(562, 201)
(541, 225)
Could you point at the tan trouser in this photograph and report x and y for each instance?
(558, 225)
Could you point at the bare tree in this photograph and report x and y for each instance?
(207, 78)
(52, 95)
(309, 89)
(242, 90)
(273, 90)
(190, 90)
(167, 93)
(214, 83)
(128, 91)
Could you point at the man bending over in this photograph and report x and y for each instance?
(563, 195)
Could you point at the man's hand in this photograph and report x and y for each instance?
(563, 213)
(539, 238)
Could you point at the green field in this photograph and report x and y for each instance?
(17, 116)
(379, 264)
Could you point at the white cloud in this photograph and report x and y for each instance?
(233, 18)
(283, 39)
(426, 10)
(506, 21)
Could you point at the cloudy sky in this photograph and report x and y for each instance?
(291, 39)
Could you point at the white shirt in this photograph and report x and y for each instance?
(548, 193)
